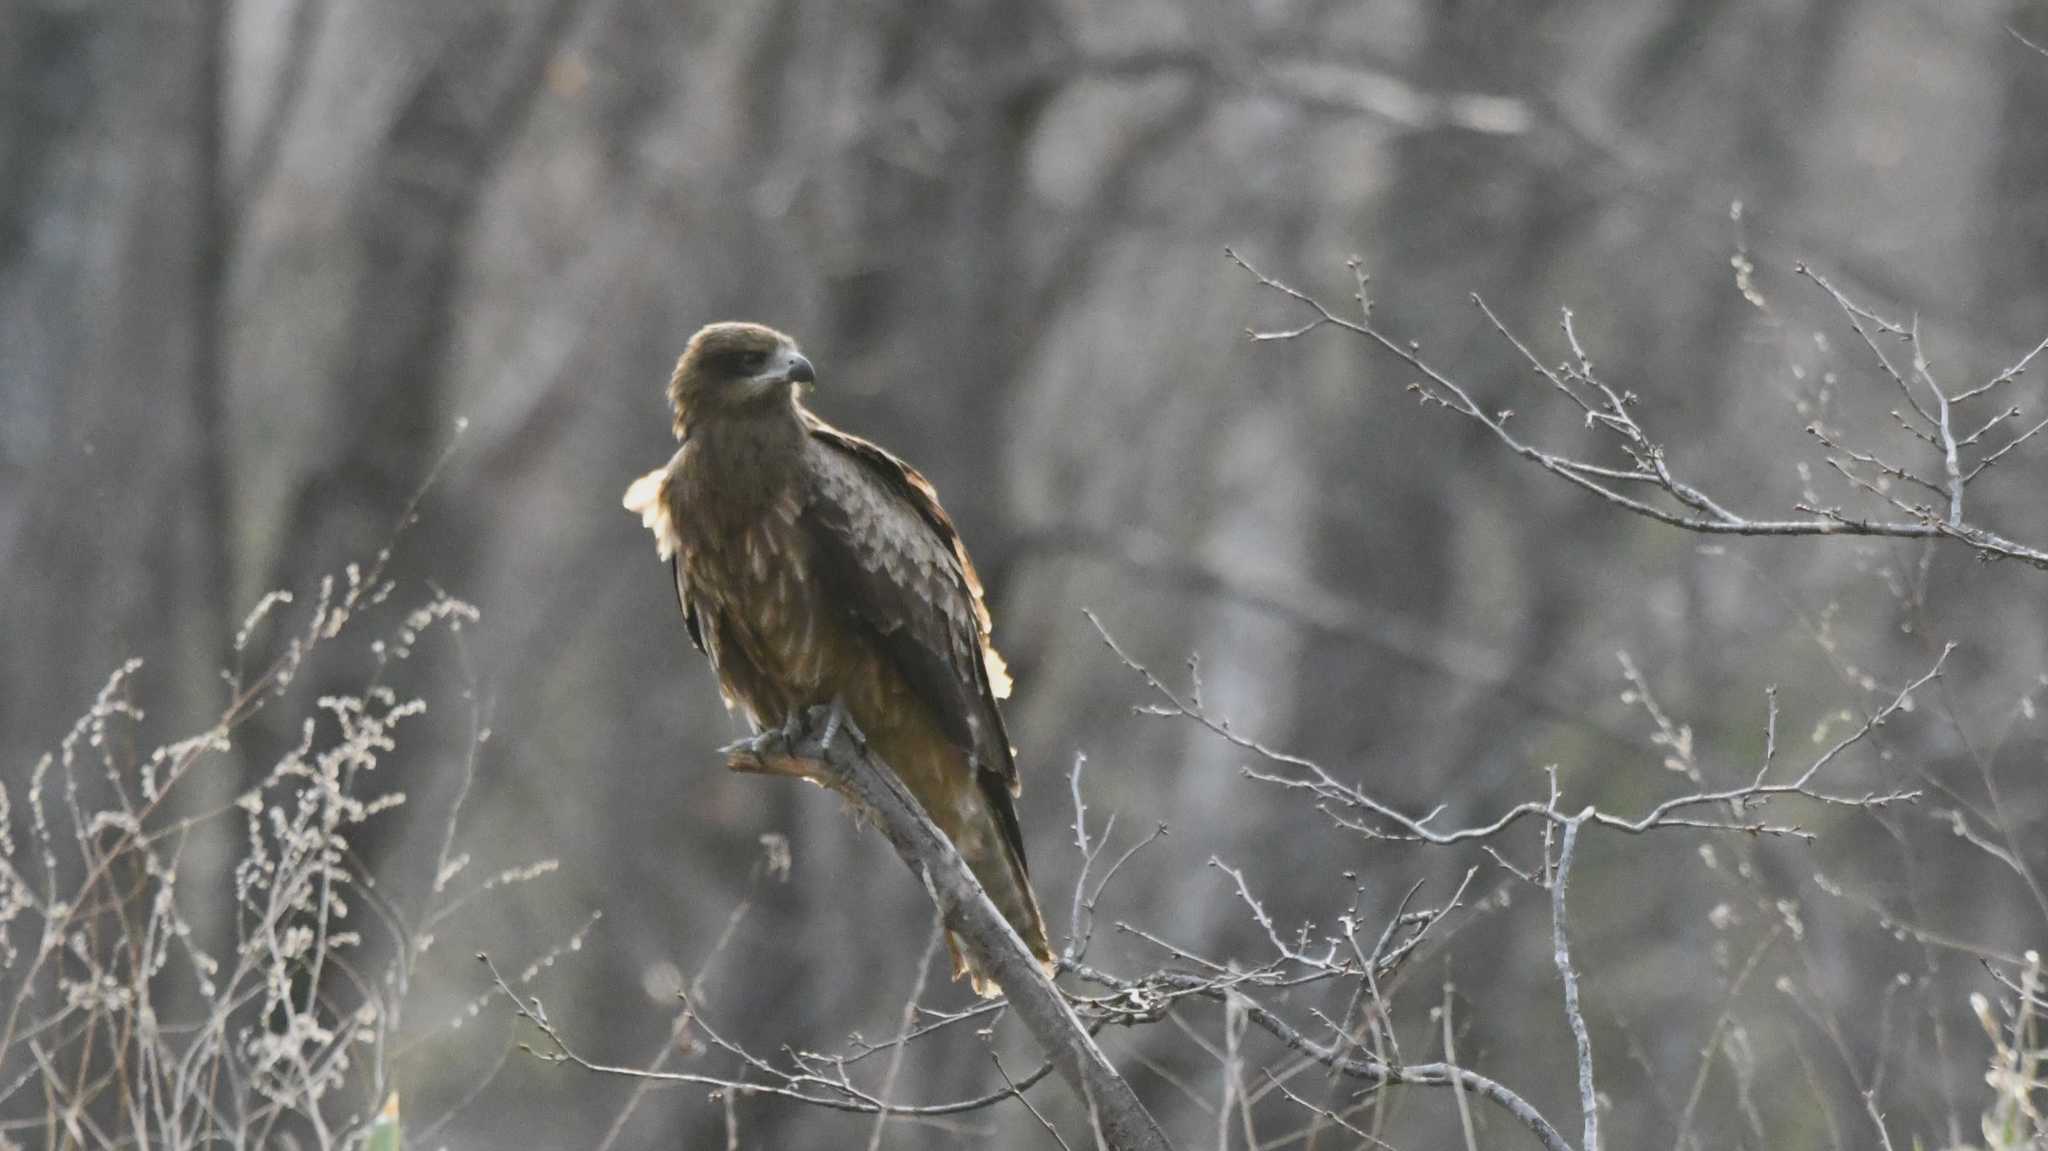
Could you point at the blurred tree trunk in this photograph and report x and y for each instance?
(110, 518)
(2015, 238)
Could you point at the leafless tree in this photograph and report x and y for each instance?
(255, 256)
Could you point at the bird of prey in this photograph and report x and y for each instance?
(815, 568)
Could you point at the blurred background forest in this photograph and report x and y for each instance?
(259, 257)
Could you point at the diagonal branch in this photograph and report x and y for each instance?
(833, 754)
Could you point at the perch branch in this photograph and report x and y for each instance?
(835, 756)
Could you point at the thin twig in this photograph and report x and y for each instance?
(1589, 1099)
(924, 965)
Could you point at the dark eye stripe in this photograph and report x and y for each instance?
(735, 359)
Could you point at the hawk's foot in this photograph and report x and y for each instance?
(761, 745)
(795, 747)
(837, 720)
(770, 752)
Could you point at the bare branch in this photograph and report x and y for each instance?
(1858, 315)
(801, 1086)
(1713, 1042)
(1334, 1056)
(924, 967)
(1337, 798)
(1696, 510)
(1994, 457)
(1589, 1098)
(847, 766)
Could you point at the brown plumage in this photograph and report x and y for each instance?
(813, 566)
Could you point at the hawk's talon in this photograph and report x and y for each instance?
(838, 720)
(835, 717)
(762, 745)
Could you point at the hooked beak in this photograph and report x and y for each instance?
(799, 370)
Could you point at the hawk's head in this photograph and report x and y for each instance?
(731, 367)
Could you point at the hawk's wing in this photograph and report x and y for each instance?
(647, 497)
(888, 551)
(675, 571)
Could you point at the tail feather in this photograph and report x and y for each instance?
(1002, 875)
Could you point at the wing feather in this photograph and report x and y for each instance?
(675, 567)
(648, 498)
(892, 553)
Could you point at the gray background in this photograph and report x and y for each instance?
(232, 345)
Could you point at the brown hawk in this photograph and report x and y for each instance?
(815, 568)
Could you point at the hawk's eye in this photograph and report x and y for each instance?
(753, 362)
